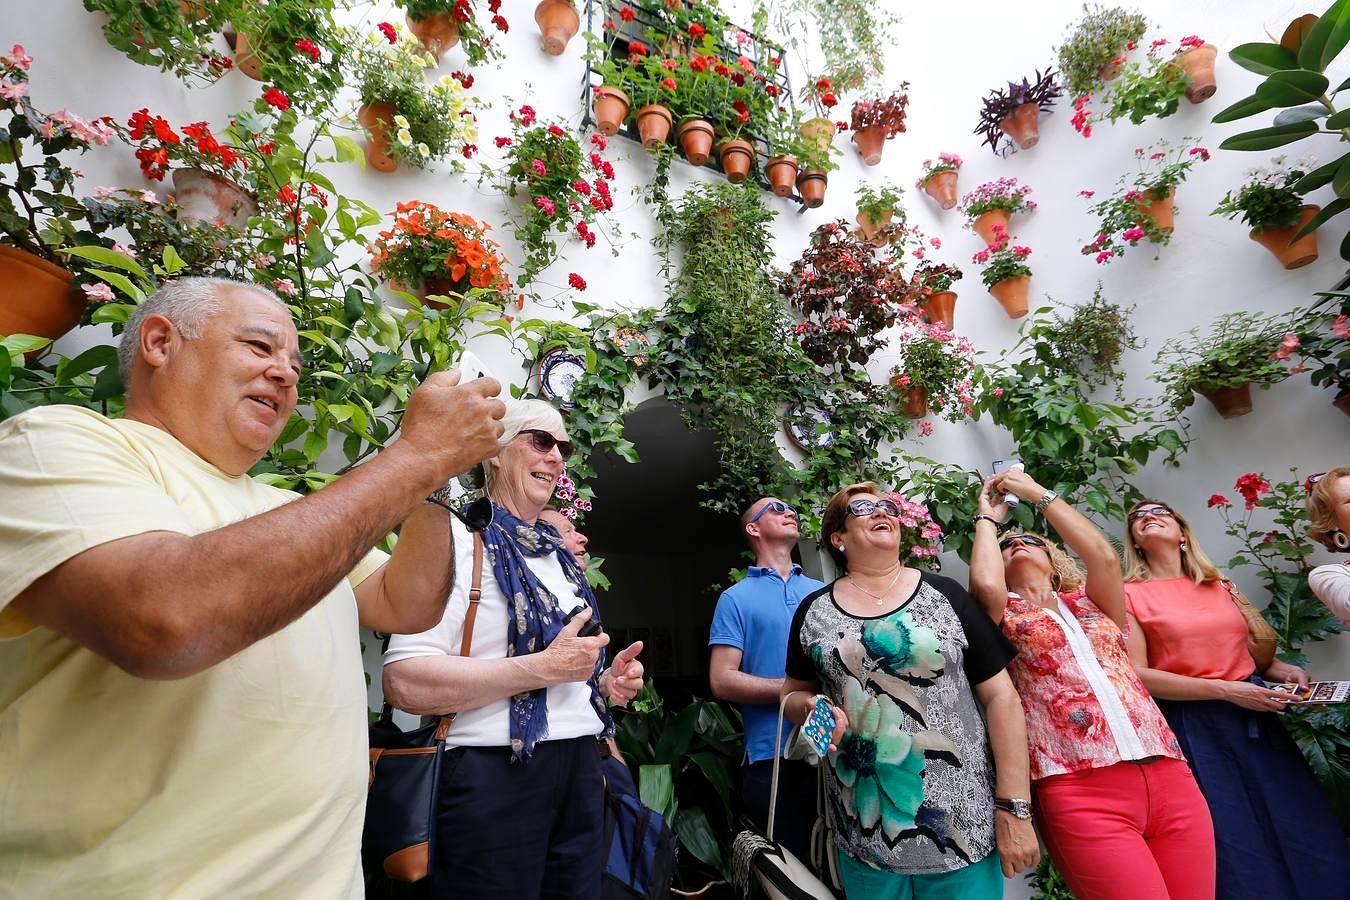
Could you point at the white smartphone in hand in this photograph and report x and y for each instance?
(1011, 464)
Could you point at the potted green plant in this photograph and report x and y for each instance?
(876, 120)
(1010, 118)
(1325, 341)
(1153, 88)
(1096, 46)
(1270, 205)
(442, 24)
(407, 118)
(1006, 273)
(784, 141)
(741, 106)
(935, 372)
(1141, 208)
(1097, 333)
(610, 102)
(691, 105)
(435, 253)
(1238, 350)
(819, 130)
(877, 206)
(558, 21)
(993, 204)
(295, 48)
(939, 179)
(176, 36)
(931, 286)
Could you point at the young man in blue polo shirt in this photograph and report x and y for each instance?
(749, 653)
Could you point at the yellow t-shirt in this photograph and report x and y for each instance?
(248, 779)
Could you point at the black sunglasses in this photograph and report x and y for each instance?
(1029, 540)
(476, 516)
(777, 507)
(1144, 511)
(864, 507)
(544, 442)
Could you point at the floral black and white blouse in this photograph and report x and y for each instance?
(911, 786)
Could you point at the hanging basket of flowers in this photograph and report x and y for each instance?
(444, 257)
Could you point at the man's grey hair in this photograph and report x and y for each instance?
(186, 302)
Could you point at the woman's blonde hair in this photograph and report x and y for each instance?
(524, 415)
(1194, 562)
(1065, 574)
(836, 514)
(1322, 509)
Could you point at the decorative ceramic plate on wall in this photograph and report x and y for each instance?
(808, 428)
(634, 343)
(559, 371)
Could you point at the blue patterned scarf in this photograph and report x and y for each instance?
(535, 618)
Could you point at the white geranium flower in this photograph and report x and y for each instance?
(401, 122)
(405, 137)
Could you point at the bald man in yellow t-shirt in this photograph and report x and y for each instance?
(182, 703)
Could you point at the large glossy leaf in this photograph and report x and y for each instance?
(1301, 114)
(1247, 106)
(88, 361)
(695, 832)
(1345, 246)
(1335, 207)
(1294, 35)
(1292, 88)
(1340, 120)
(1319, 176)
(1341, 183)
(1266, 138)
(656, 787)
(1263, 58)
(1327, 38)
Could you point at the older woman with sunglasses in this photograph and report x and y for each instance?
(1275, 833)
(520, 807)
(913, 669)
(1329, 525)
(1117, 806)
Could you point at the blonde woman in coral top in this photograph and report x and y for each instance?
(1275, 833)
(1329, 525)
(1116, 804)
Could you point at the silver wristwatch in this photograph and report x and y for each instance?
(1046, 500)
(1019, 808)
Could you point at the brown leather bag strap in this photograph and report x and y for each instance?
(465, 645)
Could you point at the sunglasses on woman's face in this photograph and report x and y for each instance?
(1027, 540)
(777, 507)
(862, 508)
(544, 442)
(1144, 512)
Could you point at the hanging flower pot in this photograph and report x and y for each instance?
(696, 140)
(871, 224)
(654, 123)
(1198, 64)
(1023, 125)
(1230, 402)
(735, 157)
(1110, 70)
(39, 299)
(377, 118)
(611, 109)
(1343, 404)
(941, 307)
(207, 197)
(438, 32)
(916, 402)
(870, 142)
(245, 60)
(781, 172)
(811, 184)
(558, 22)
(1011, 293)
(1157, 208)
(1291, 253)
(942, 188)
(819, 133)
(984, 223)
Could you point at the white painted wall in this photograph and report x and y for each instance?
(952, 54)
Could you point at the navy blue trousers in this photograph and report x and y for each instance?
(520, 831)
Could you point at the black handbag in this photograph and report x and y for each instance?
(405, 773)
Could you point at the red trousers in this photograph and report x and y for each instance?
(1131, 831)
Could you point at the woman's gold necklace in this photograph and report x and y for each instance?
(881, 598)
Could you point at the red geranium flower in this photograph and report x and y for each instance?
(389, 32)
(1219, 500)
(576, 281)
(696, 31)
(277, 98)
(308, 47)
(627, 14)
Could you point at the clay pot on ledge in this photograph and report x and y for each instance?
(696, 140)
(558, 22)
(1292, 254)
(942, 188)
(735, 157)
(916, 402)
(611, 109)
(654, 123)
(39, 299)
(811, 184)
(1343, 404)
(1157, 208)
(941, 307)
(1011, 293)
(1198, 64)
(207, 197)
(377, 119)
(871, 224)
(984, 223)
(1023, 125)
(1230, 402)
(781, 172)
(438, 32)
(245, 60)
(870, 141)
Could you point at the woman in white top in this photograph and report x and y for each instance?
(1329, 525)
(520, 799)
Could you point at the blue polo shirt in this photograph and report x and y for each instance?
(754, 616)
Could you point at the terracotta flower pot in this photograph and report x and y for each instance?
(1231, 402)
(1023, 125)
(1198, 64)
(811, 184)
(1291, 253)
(39, 299)
(781, 172)
(871, 224)
(1011, 293)
(245, 60)
(438, 32)
(1109, 71)
(984, 223)
(696, 140)
(1157, 208)
(941, 307)
(442, 286)
(870, 142)
(654, 123)
(558, 22)
(1343, 404)
(735, 157)
(942, 188)
(819, 133)
(916, 402)
(611, 109)
(207, 197)
(376, 118)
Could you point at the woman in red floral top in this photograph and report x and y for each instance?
(1116, 803)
